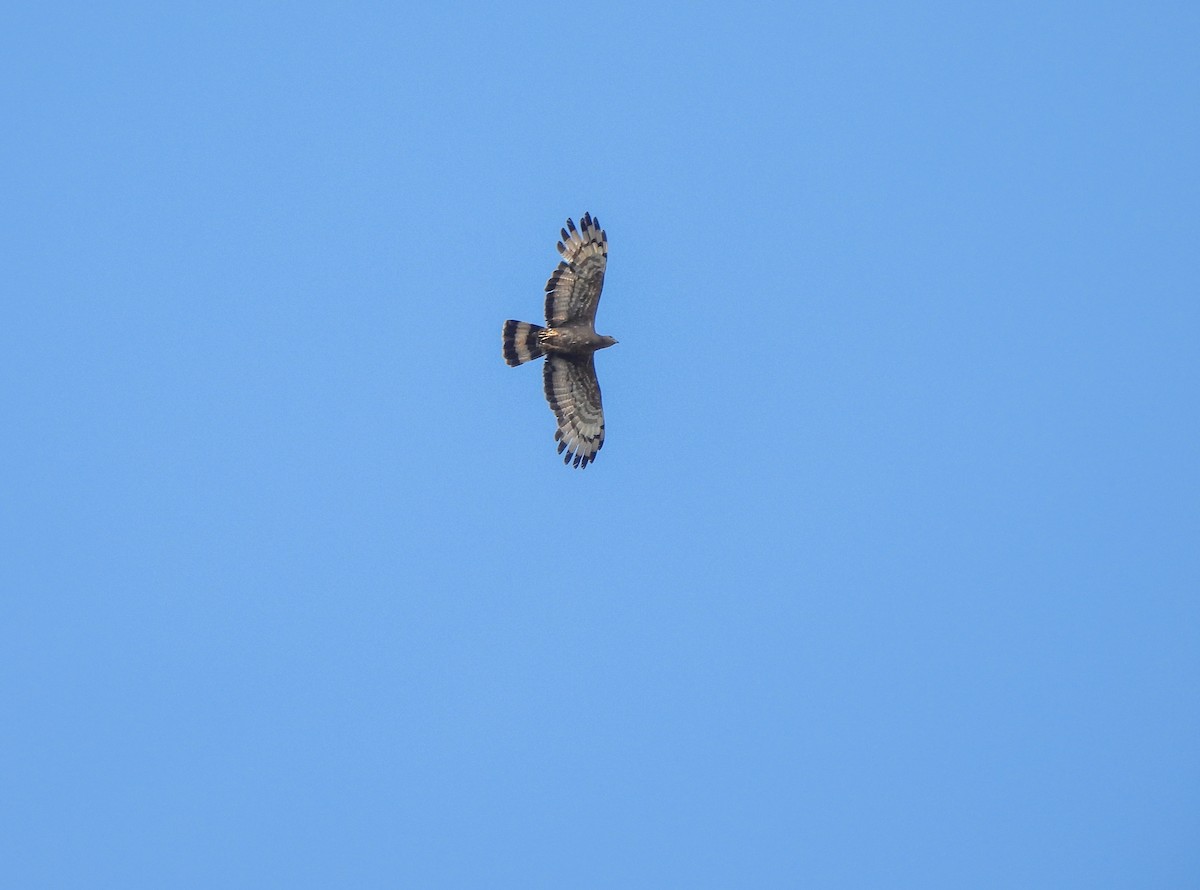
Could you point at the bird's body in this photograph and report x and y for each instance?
(574, 340)
(569, 341)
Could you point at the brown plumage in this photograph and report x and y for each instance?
(569, 341)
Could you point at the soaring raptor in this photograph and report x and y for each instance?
(569, 340)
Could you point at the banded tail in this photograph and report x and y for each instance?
(521, 342)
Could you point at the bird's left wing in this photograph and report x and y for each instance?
(574, 395)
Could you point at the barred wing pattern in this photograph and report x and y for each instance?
(573, 291)
(574, 394)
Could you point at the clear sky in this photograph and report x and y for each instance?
(887, 575)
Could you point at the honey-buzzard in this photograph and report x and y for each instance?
(569, 341)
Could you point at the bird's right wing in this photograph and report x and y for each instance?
(573, 291)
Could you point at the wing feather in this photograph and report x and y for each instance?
(574, 395)
(573, 291)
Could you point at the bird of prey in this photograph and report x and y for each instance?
(569, 341)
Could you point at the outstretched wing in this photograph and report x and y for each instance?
(574, 395)
(573, 291)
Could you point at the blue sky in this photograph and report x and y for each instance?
(887, 574)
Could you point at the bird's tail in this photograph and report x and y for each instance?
(521, 342)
